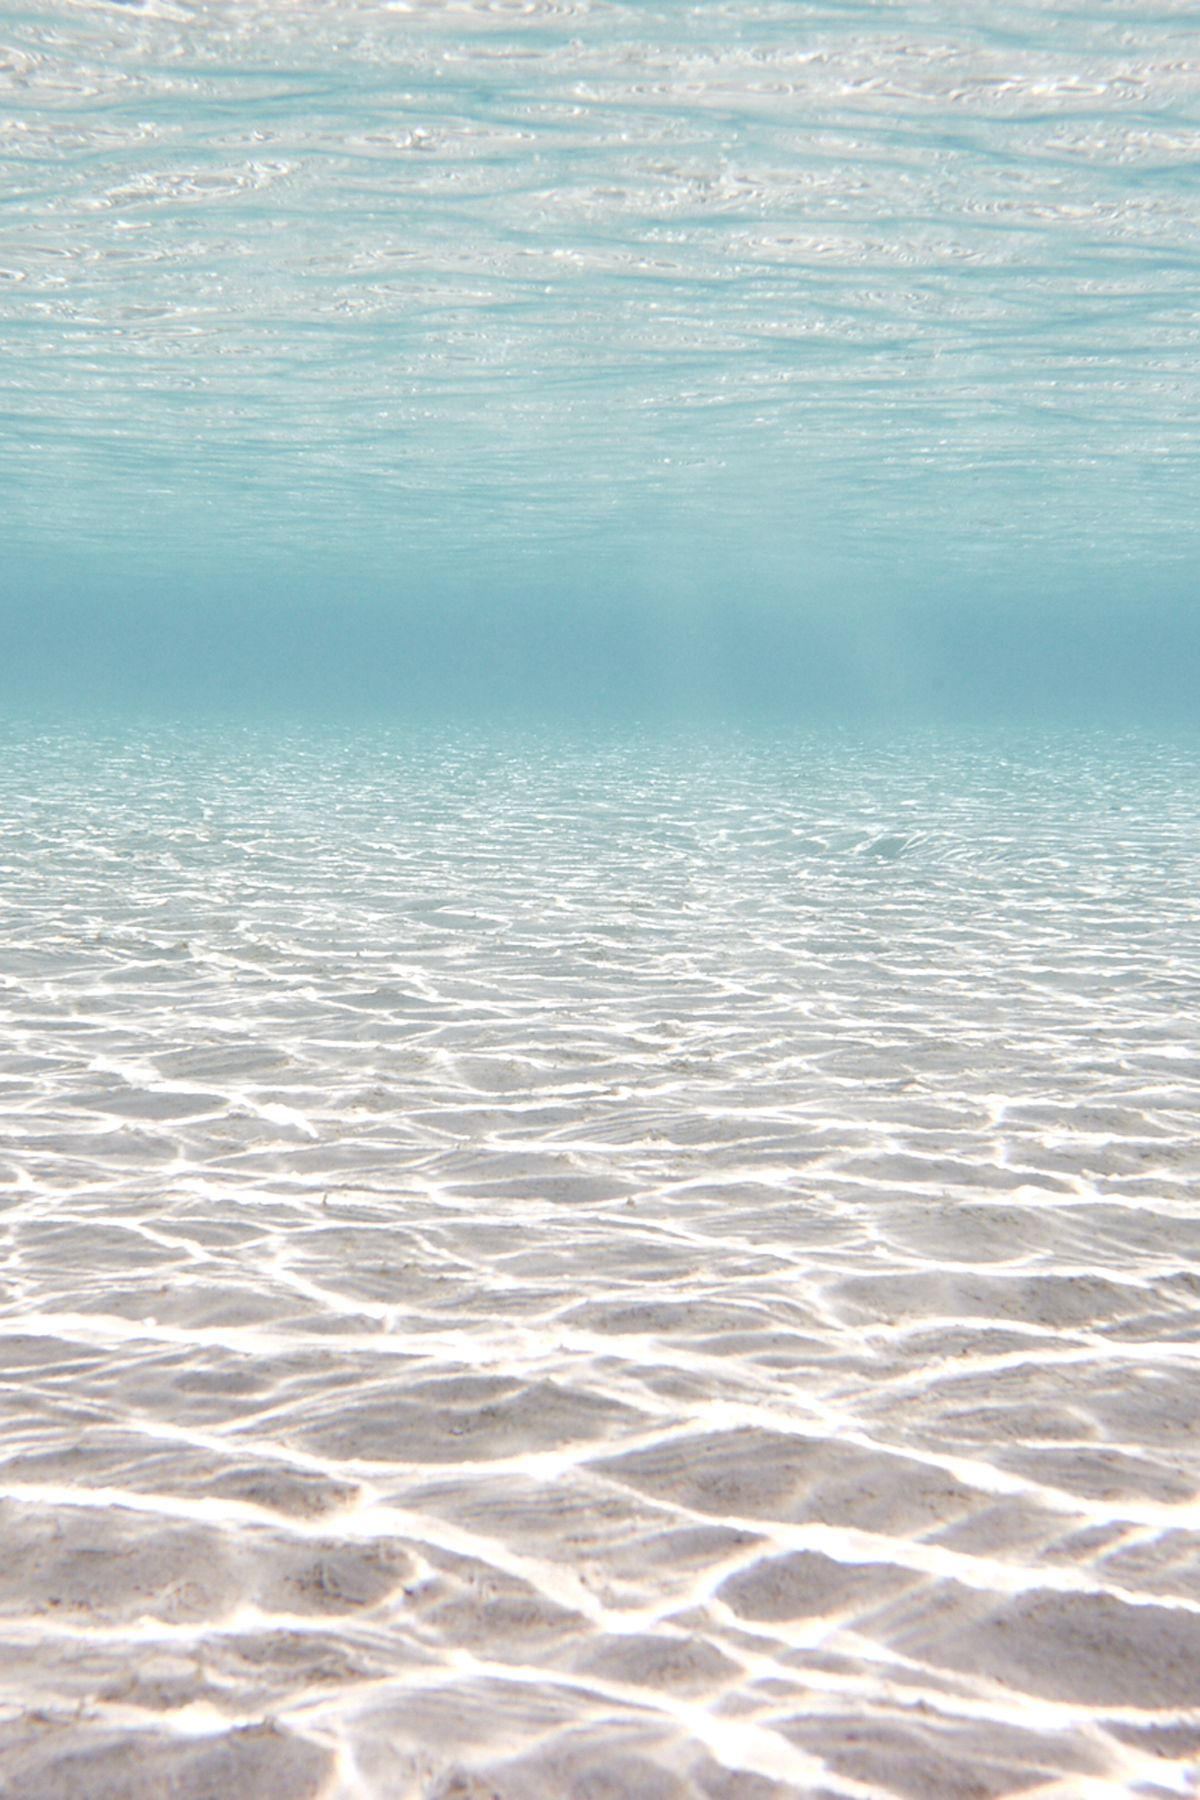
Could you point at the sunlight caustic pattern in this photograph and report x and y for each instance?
(535, 1274)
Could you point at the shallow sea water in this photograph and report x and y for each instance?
(657, 1268)
(759, 295)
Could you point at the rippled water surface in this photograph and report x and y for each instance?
(900, 290)
(539, 1271)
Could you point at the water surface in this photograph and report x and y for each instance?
(333, 338)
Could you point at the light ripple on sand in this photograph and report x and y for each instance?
(646, 1291)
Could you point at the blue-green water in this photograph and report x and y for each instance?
(738, 358)
(599, 1066)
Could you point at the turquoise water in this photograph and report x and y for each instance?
(599, 1067)
(658, 358)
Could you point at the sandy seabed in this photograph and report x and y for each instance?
(644, 1271)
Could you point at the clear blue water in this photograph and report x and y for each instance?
(744, 356)
(599, 1066)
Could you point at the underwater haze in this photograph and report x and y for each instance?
(545, 354)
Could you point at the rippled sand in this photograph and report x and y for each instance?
(638, 1270)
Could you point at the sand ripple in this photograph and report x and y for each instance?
(655, 1270)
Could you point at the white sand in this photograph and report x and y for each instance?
(545, 1275)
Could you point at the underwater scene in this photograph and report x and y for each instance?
(599, 900)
